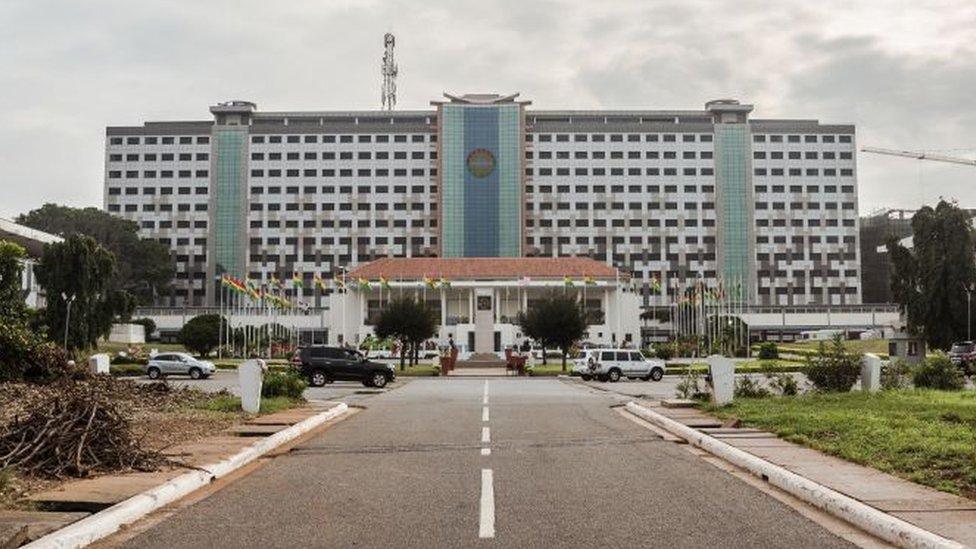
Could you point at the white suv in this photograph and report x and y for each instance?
(612, 364)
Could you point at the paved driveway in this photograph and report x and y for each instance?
(501, 462)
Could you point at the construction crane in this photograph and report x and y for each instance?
(921, 156)
(389, 71)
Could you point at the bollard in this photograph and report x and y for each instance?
(870, 373)
(99, 364)
(722, 370)
(251, 376)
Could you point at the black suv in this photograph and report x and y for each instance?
(321, 365)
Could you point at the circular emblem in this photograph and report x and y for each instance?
(481, 162)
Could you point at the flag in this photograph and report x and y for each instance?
(340, 284)
(589, 281)
(297, 280)
(655, 285)
(318, 281)
(274, 281)
(567, 281)
(385, 282)
(363, 283)
(445, 283)
(524, 281)
(430, 282)
(252, 289)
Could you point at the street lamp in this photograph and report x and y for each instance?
(67, 317)
(969, 309)
(343, 269)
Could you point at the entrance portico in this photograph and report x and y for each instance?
(478, 299)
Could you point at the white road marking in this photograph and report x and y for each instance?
(485, 435)
(487, 525)
(484, 399)
(484, 414)
(486, 451)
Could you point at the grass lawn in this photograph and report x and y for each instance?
(924, 436)
(420, 370)
(232, 404)
(554, 368)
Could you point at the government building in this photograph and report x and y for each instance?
(666, 199)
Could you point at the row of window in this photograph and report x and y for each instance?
(777, 138)
(361, 189)
(363, 172)
(158, 208)
(802, 155)
(799, 188)
(802, 205)
(344, 155)
(809, 172)
(163, 174)
(165, 140)
(342, 207)
(341, 223)
(362, 138)
(164, 157)
(600, 172)
(115, 191)
(619, 155)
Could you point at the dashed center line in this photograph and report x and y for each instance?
(486, 451)
(485, 435)
(484, 414)
(486, 528)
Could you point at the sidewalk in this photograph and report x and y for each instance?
(939, 512)
(76, 500)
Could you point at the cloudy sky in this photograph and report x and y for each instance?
(903, 71)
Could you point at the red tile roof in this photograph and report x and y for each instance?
(484, 268)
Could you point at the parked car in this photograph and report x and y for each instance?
(322, 364)
(963, 354)
(168, 364)
(613, 364)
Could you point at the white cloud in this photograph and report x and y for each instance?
(902, 72)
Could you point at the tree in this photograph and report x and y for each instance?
(11, 296)
(410, 322)
(80, 271)
(201, 334)
(928, 281)
(555, 321)
(145, 268)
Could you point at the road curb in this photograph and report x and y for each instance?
(865, 517)
(108, 521)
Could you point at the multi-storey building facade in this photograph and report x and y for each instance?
(671, 196)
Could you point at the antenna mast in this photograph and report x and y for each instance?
(389, 70)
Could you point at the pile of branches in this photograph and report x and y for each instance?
(75, 429)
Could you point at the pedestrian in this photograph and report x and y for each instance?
(450, 343)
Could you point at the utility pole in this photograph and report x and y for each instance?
(389, 72)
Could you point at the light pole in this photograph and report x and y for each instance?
(67, 316)
(969, 310)
(343, 269)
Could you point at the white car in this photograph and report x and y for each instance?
(167, 364)
(613, 364)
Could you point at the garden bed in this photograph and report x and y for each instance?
(925, 436)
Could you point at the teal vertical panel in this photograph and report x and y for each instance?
(452, 181)
(510, 181)
(733, 178)
(229, 196)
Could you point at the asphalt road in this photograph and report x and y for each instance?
(564, 470)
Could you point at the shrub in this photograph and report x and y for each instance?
(834, 368)
(750, 387)
(938, 372)
(148, 325)
(785, 384)
(768, 351)
(665, 351)
(896, 374)
(201, 334)
(25, 356)
(283, 384)
(690, 386)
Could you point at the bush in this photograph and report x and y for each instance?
(785, 384)
(938, 372)
(834, 368)
(768, 351)
(25, 356)
(896, 374)
(692, 386)
(665, 351)
(283, 384)
(148, 325)
(749, 387)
